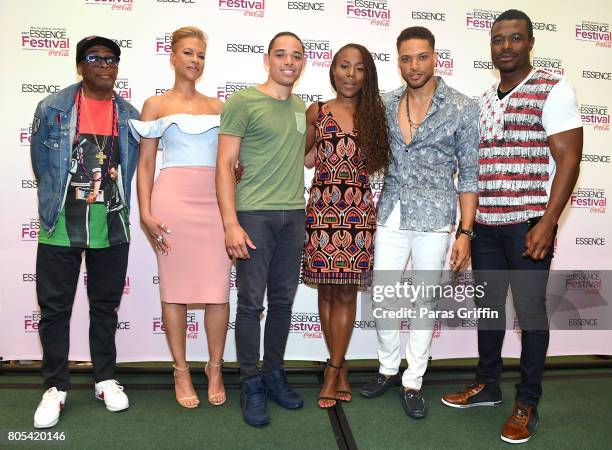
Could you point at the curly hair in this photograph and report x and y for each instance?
(369, 117)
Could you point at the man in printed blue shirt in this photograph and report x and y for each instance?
(433, 132)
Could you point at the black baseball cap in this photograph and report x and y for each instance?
(88, 42)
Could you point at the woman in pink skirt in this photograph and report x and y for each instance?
(179, 212)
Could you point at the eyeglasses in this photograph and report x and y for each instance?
(96, 60)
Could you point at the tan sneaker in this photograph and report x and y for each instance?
(477, 394)
(521, 425)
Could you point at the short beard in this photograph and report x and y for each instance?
(420, 84)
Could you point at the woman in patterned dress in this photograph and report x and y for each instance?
(346, 142)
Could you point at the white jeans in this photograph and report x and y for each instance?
(393, 249)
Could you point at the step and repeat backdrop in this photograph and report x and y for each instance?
(572, 39)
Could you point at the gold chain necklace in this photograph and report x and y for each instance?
(413, 125)
(105, 138)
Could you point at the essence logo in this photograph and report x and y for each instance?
(27, 183)
(376, 184)
(115, 5)
(158, 326)
(591, 241)
(488, 65)
(224, 92)
(598, 159)
(595, 75)
(28, 277)
(54, 41)
(243, 47)
(163, 45)
(551, 64)
(122, 86)
(178, 2)
(365, 324)
(595, 32)
(126, 284)
(30, 322)
(309, 97)
(318, 53)
(25, 136)
(595, 200)
(123, 43)
(233, 279)
(376, 11)
(445, 63)
(595, 116)
(431, 16)
(124, 325)
(192, 331)
(587, 281)
(31, 88)
(380, 56)
(29, 231)
(306, 6)
(307, 324)
(252, 8)
(480, 19)
(544, 26)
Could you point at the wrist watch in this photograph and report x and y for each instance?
(469, 233)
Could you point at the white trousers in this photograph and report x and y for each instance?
(393, 249)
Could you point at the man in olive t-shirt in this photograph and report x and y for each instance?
(263, 218)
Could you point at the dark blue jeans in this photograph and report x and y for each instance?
(497, 262)
(274, 266)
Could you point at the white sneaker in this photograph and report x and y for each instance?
(112, 393)
(48, 411)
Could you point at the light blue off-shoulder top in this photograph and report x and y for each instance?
(186, 139)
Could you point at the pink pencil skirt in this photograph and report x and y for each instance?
(197, 268)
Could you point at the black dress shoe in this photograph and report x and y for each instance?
(413, 403)
(379, 385)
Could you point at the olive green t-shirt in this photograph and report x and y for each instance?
(273, 136)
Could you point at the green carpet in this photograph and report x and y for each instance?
(574, 413)
(154, 420)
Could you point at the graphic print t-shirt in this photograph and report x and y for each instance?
(102, 223)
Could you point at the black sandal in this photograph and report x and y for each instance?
(348, 394)
(333, 399)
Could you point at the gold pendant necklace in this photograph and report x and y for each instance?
(189, 105)
(100, 155)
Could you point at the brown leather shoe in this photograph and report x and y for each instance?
(521, 425)
(477, 394)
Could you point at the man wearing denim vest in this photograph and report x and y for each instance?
(83, 158)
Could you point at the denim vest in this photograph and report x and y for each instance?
(53, 132)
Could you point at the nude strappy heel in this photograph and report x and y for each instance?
(215, 398)
(185, 402)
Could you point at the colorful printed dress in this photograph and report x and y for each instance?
(340, 214)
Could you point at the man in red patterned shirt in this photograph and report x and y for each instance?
(529, 158)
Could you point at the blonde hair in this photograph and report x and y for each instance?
(187, 32)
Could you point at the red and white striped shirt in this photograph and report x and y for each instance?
(515, 167)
